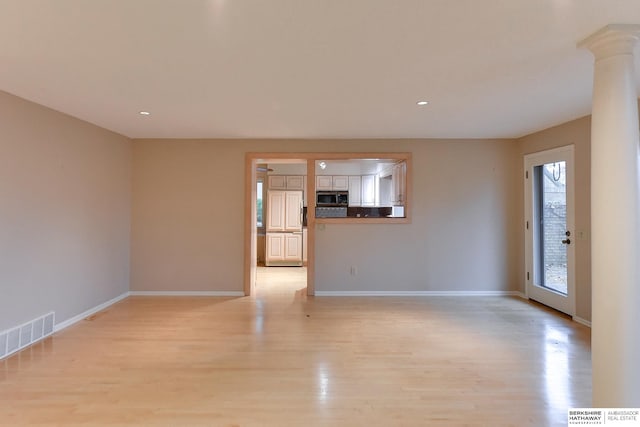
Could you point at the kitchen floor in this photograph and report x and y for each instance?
(281, 280)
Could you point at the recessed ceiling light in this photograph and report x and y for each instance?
(145, 113)
(422, 102)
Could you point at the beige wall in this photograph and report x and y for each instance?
(64, 213)
(578, 133)
(188, 204)
(66, 207)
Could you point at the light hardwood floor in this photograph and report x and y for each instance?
(284, 359)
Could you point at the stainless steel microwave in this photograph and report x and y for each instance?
(332, 198)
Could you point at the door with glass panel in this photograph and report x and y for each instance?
(549, 228)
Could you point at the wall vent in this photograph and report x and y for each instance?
(15, 339)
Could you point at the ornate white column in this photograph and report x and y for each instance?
(615, 218)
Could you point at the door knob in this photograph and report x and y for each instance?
(566, 242)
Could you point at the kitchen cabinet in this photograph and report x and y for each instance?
(304, 190)
(355, 190)
(286, 182)
(295, 182)
(304, 246)
(284, 211)
(340, 182)
(332, 182)
(398, 182)
(289, 182)
(284, 249)
(362, 190)
(324, 183)
(368, 193)
(275, 210)
(284, 228)
(277, 182)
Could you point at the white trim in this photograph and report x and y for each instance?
(582, 321)
(75, 319)
(187, 293)
(418, 293)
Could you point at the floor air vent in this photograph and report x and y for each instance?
(15, 339)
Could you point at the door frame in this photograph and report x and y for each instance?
(250, 229)
(553, 299)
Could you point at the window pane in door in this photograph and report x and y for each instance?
(551, 226)
(259, 206)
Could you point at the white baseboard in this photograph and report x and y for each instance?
(187, 293)
(417, 293)
(62, 325)
(581, 321)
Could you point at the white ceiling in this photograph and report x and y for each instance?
(307, 68)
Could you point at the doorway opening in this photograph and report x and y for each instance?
(280, 226)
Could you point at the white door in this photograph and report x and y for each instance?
(549, 228)
(293, 211)
(275, 210)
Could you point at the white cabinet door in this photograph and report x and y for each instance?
(293, 247)
(398, 179)
(277, 182)
(295, 182)
(275, 248)
(324, 182)
(368, 190)
(355, 190)
(340, 182)
(275, 210)
(293, 211)
(304, 190)
(304, 245)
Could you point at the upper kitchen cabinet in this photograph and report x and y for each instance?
(368, 190)
(286, 182)
(362, 190)
(393, 184)
(332, 183)
(355, 190)
(288, 176)
(324, 183)
(277, 182)
(340, 183)
(295, 182)
(399, 181)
